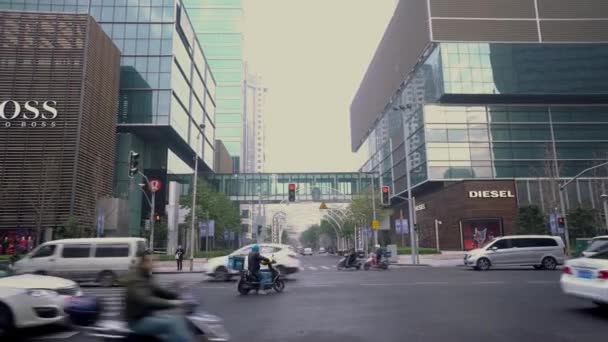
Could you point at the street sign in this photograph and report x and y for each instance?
(155, 185)
(323, 206)
(375, 224)
(207, 228)
(553, 223)
(402, 226)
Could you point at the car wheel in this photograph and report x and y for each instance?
(221, 274)
(279, 285)
(282, 270)
(483, 264)
(106, 279)
(6, 320)
(549, 263)
(602, 306)
(538, 267)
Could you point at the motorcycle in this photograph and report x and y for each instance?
(342, 264)
(271, 279)
(382, 264)
(204, 326)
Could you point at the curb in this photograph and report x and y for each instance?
(411, 265)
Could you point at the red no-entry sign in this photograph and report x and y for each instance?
(155, 185)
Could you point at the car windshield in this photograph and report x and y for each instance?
(597, 244)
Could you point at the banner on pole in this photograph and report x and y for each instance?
(402, 226)
(207, 228)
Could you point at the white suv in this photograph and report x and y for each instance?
(285, 256)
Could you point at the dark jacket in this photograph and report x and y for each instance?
(254, 260)
(144, 296)
(180, 253)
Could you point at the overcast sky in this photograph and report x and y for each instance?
(312, 55)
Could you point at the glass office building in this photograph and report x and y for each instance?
(218, 25)
(167, 90)
(496, 111)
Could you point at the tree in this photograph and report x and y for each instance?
(310, 237)
(583, 222)
(530, 220)
(214, 205)
(72, 229)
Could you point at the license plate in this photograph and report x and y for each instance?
(585, 274)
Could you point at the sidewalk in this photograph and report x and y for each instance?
(445, 259)
(170, 267)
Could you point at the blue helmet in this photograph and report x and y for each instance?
(255, 248)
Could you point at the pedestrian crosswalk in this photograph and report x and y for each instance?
(112, 299)
(317, 267)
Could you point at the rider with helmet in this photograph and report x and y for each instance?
(254, 261)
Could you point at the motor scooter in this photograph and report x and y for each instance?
(343, 265)
(370, 264)
(204, 326)
(271, 279)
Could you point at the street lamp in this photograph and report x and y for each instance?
(151, 202)
(194, 185)
(563, 205)
(410, 199)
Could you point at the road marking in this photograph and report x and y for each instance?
(325, 268)
(429, 283)
(312, 268)
(541, 282)
(488, 282)
(377, 284)
(56, 336)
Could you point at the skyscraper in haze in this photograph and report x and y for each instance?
(218, 25)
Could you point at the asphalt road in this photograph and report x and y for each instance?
(401, 304)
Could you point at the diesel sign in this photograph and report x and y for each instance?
(491, 194)
(30, 114)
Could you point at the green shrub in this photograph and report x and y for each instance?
(421, 251)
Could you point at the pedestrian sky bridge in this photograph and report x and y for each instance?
(273, 187)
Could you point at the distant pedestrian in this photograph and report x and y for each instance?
(30, 243)
(179, 257)
(5, 244)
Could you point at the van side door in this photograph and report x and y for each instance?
(500, 252)
(75, 262)
(112, 257)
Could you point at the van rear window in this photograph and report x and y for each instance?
(112, 251)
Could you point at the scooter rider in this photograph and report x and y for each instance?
(379, 253)
(254, 260)
(144, 298)
(352, 258)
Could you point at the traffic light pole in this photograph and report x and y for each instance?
(374, 211)
(152, 211)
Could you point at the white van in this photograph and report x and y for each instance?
(540, 251)
(102, 260)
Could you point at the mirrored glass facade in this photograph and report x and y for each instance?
(495, 111)
(218, 26)
(165, 77)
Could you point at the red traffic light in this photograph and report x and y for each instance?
(292, 186)
(385, 189)
(560, 220)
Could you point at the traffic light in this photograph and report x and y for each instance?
(133, 163)
(292, 192)
(386, 201)
(561, 222)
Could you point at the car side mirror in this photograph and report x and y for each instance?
(494, 248)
